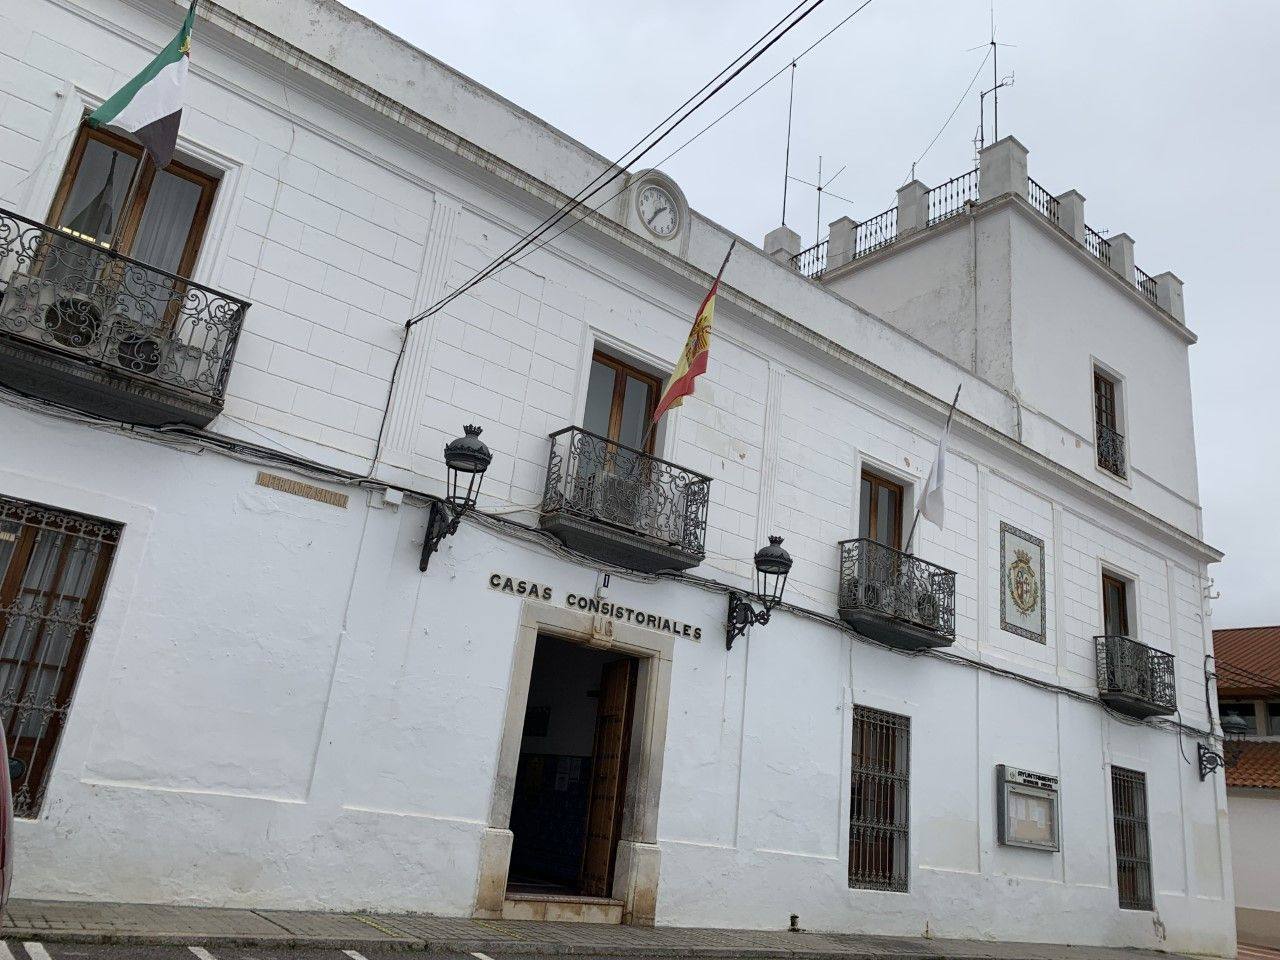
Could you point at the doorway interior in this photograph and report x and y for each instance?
(566, 814)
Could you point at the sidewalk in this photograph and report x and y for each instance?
(56, 921)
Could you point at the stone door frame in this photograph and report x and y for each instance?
(635, 876)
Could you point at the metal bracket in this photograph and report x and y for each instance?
(741, 615)
(441, 522)
(1209, 761)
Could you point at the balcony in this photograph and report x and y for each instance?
(896, 598)
(1111, 450)
(86, 327)
(622, 506)
(1134, 678)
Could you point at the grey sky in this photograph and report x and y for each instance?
(1163, 113)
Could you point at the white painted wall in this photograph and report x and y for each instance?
(279, 709)
(1255, 827)
(1005, 295)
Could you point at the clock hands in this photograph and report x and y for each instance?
(655, 215)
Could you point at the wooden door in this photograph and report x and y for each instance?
(608, 775)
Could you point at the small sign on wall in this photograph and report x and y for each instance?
(1027, 808)
(1022, 586)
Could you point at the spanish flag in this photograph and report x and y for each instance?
(693, 361)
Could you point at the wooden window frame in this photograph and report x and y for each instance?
(132, 216)
(1124, 584)
(40, 755)
(878, 480)
(622, 370)
(1106, 400)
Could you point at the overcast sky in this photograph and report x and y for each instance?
(1163, 113)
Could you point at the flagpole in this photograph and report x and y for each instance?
(916, 518)
(653, 424)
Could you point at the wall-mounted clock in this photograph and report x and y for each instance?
(658, 210)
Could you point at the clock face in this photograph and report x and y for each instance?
(658, 210)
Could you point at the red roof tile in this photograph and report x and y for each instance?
(1255, 653)
(1258, 766)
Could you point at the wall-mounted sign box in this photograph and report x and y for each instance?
(1027, 807)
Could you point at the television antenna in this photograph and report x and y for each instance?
(996, 84)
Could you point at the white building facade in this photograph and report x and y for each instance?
(230, 682)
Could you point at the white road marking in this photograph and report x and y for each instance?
(36, 950)
(482, 956)
(202, 953)
(5, 952)
(353, 954)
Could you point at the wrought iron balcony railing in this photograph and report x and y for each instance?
(1111, 450)
(623, 506)
(1043, 201)
(896, 598)
(948, 199)
(1135, 678)
(812, 261)
(113, 333)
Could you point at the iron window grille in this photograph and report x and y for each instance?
(1134, 671)
(1133, 839)
(879, 809)
(601, 480)
(52, 569)
(75, 296)
(1111, 450)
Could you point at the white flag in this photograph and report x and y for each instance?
(932, 503)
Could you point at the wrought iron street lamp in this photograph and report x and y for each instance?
(772, 566)
(1234, 730)
(467, 458)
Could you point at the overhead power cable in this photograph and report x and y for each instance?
(769, 80)
(951, 116)
(1244, 677)
(619, 167)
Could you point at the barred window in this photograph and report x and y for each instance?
(879, 814)
(1133, 840)
(52, 569)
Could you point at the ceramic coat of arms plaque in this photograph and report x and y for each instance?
(1022, 584)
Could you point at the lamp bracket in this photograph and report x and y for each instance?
(1209, 761)
(742, 615)
(442, 521)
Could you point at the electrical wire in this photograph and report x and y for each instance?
(618, 168)
(192, 440)
(517, 252)
(951, 116)
(708, 127)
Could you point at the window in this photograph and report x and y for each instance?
(1110, 441)
(1115, 606)
(1244, 710)
(880, 510)
(1273, 719)
(879, 815)
(163, 222)
(1133, 841)
(52, 569)
(620, 402)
